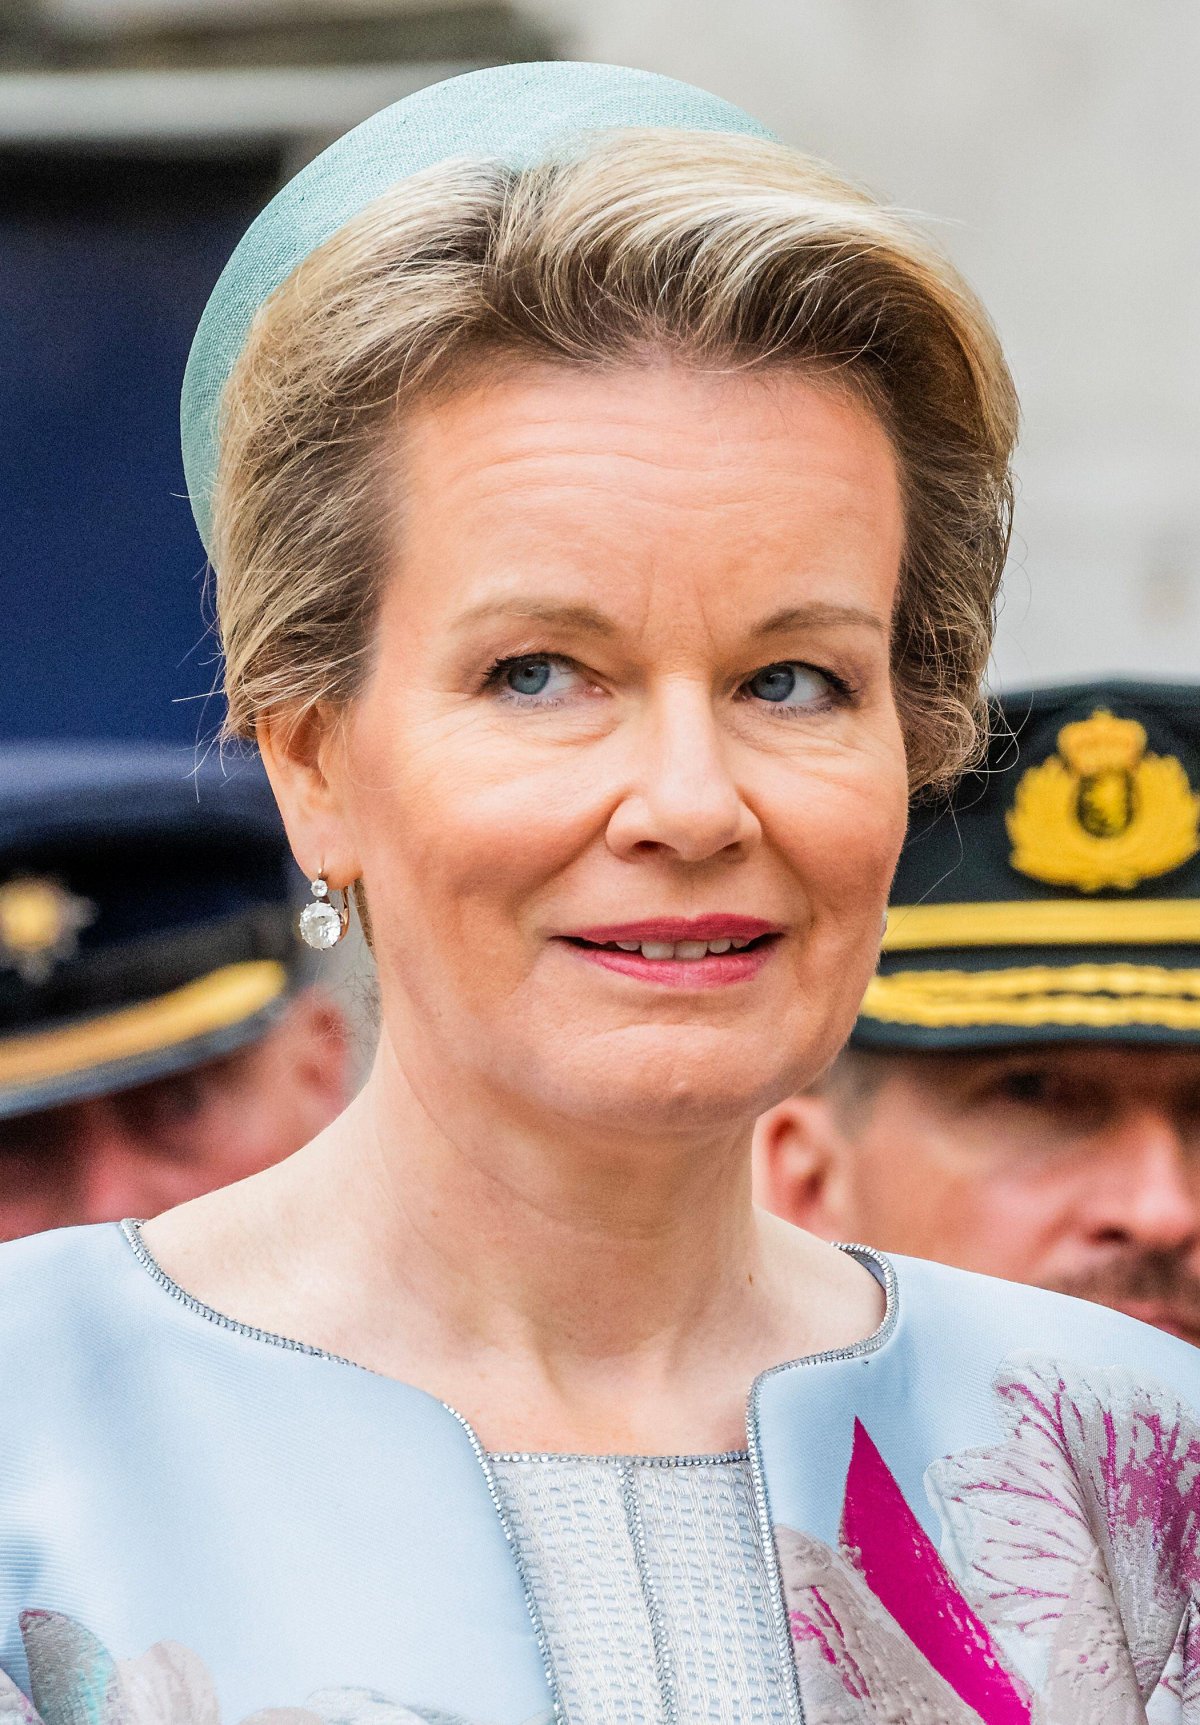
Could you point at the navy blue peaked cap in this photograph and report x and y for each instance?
(1055, 897)
(147, 908)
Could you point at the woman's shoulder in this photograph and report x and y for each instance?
(60, 1261)
(1004, 1515)
(970, 1319)
(61, 1298)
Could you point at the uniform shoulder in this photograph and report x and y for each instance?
(982, 1316)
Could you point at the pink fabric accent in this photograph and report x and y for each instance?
(901, 1566)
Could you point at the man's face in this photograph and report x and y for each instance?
(1075, 1168)
(143, 1150)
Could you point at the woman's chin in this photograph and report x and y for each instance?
(673, 1085)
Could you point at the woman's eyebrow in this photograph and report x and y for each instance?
(582, 617)
(816, 614)
(585, 618)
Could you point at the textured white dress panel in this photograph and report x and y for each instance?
(652, 1585)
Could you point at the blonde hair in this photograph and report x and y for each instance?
(717, 250)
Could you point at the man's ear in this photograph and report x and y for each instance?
(800, 1171)
(305, 758)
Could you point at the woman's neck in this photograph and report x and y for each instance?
(587, 1241)
(562, 1288)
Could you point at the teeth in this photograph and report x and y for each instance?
(680, 949)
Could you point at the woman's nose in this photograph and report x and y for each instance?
(683, 797)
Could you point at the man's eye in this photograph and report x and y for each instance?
(790, 684)
(1064, 1101)
(171, 1102)
(1025, 1087)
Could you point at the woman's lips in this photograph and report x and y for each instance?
(718, 926)
(680, 952)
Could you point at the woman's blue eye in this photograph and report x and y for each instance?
(537, 679)
(789, 685)
(527, 676)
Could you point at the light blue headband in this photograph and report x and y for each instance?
(516, 115)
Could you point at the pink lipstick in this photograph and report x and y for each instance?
(680, 952)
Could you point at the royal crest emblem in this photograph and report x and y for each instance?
(1103, 811)
(39, 925)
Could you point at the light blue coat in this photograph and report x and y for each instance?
(988, 1512)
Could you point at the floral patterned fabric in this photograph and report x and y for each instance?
(1066, 1585)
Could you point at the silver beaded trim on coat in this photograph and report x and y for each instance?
(884, 1273)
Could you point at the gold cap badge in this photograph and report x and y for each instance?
(1103, 812)
(39, 925)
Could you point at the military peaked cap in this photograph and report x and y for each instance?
(147, 909)
(1056, 896)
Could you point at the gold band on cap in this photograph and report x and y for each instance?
(1092, 996)
(215, 1002)
(1043, 922)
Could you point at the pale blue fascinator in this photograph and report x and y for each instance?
(514, 115)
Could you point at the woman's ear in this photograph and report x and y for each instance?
(305, 758)
(799, 1165)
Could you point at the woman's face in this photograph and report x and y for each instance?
(630, 711)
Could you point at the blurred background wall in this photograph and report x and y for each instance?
(1053, 144)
